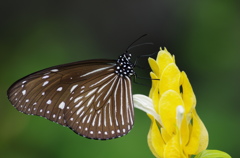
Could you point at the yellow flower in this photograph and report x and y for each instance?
(176, 130)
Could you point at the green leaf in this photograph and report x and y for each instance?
(212, 154)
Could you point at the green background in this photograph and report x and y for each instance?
(203, 35)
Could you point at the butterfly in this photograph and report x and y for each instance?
(92, 97)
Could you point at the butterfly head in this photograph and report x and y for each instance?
(124, 66)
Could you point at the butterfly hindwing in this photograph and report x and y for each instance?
(97, 113)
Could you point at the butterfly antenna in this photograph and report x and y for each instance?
(130, 46)
(148, 43)
(141, 56)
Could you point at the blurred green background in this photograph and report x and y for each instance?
(203, 35)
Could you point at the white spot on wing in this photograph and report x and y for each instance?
(24, 92)
(24, 82)
(78, 112)
(98, 104)
(62, 105)
(91, 110)
(81, 114)
(93, 122)
(45, 83)
(112, 87)
(59, 89)
(89, 118)
(99, 120)
(54, 70)
(73, 87)
(105, 121)
(97, 70)
(44, 77)
(104, 79)
(83, 120)
(49, 101)
(77, 99)
(91, 92)
(78, 104)
(90, 101)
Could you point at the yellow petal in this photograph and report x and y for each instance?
(199, 136)
(184, 131)
(188, 94)
(155, 141)
(154, 66)
(170, 79)
(166, 137)
(154, 91)
(154, 83)
(164, 58)
(173, 58)
(167, 110)
(173, 148)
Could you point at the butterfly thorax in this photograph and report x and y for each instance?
(124, 66)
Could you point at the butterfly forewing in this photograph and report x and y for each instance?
(87, 96)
